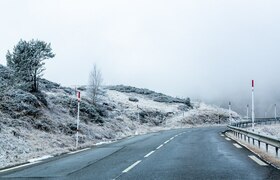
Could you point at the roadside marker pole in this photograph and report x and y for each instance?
(247, 112)
(275, 110)
(78, 117)
(253, 106)
(229, 109)
(138, 114)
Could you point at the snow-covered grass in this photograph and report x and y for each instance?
(143, 103)
(205, 114)
(269, 130)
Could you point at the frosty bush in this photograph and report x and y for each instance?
(88, 112)
(17, 103)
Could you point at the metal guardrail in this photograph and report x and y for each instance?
(248, 135)
(247, 123)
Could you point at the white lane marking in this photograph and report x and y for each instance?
(16, 167)
(40, 158)
(147, 155)
(257, 160)
(78, 151)
(237, 145)
(160, 146)
(132, 166)
(171, 138)
(222, 135)
(166, 142)
(227, 139)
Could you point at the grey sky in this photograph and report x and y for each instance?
(203, 49)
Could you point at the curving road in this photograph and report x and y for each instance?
(196, 153)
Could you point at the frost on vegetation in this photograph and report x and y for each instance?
(269, 130)
(5, 78)
(88, 111)
(36, 124)
(18, 103)
(158, 97)
(208, 114)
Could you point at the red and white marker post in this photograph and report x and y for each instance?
(253, 106)
(229, 110)
(275, 112)
(78, 117)
(247, 112)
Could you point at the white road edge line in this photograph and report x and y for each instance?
(132, 166)
(78, 151)
(40, 158)
(237, 145)
(228, 139)
(257, 160)
(16, 167)
(160, 146)
(147, 155)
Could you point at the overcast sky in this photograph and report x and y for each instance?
(204, 49)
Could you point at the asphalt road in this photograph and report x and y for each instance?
(196, 153)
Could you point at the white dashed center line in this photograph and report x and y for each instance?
(131, 167)
(160, 146)
(237, 145)
(166, 142)
(147, 155)
(257, 160)
(222, 135)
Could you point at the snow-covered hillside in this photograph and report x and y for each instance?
(37, 124)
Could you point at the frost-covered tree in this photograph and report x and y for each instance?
(6, 78)
(95, 81)
(27, 62)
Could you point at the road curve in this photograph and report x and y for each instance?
(195, 153)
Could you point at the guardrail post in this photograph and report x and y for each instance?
(253, 141)
(266, 147)
(276, 149)
(249, 140)
(259, 143)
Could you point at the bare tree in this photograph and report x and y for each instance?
(95, 81)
